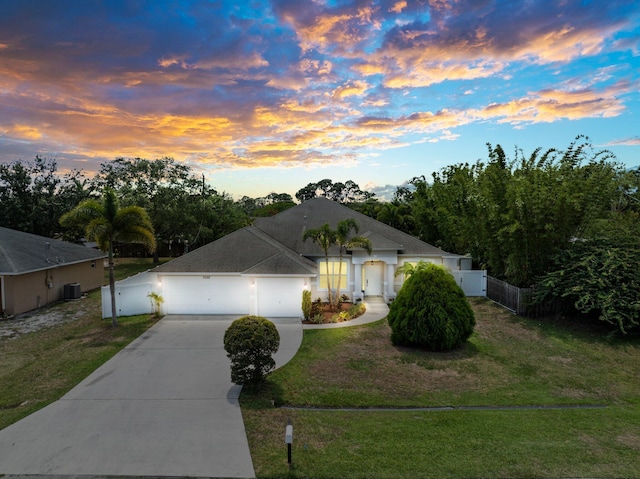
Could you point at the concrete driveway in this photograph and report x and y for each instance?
(163, 406)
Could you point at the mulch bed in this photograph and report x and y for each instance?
(328, 314)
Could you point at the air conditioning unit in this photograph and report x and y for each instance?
(72, 291)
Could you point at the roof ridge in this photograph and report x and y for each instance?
(283, 249)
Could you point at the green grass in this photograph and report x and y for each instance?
(509, 361)
(40, 367)
(125, 267)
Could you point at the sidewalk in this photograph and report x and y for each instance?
(376, 310)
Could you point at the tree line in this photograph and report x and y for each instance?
(564, 221)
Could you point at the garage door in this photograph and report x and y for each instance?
(280, 297)
(205, 294)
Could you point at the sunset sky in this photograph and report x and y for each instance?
(265, 96)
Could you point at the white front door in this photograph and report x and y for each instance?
(372, 279)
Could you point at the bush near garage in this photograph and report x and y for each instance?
(431, 311)
(250, 343)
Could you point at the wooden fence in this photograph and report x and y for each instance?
(518, 300)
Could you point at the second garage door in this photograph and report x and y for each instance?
(280, 297)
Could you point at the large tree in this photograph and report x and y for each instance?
(348, 192)
(182, 207)
(105, 222)
(512, 215)
(33, 195)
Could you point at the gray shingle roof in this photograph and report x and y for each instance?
(246, 251)
(289, 226)
(24, 252)
(274, 245)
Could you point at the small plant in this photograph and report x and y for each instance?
(250, 343)
(317, 318)
(344, 299)
(156, 302)
(307, 305)
(316, 308)
(357, 309)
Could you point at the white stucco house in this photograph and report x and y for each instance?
(262, 269)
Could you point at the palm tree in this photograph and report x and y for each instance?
(408, 269)
(105, 222)
(326, 237)
(344, 242)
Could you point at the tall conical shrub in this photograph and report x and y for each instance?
(431, 311)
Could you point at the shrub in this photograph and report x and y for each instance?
(250, 342)
(357, 309)
(307, 305)
(431, 311)
(316, 308)
(156, 302)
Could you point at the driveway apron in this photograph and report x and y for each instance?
(163, 406)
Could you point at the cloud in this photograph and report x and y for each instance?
(251, 84)
(630, 141)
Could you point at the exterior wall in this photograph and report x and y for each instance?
(32, 290)
(208, 294)
(472, 282)
(352, 280)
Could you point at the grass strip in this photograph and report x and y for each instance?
(517, 401)
(40, 367)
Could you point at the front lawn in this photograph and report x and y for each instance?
(508, 362)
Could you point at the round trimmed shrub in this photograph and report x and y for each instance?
(250, 342)
(431, 311)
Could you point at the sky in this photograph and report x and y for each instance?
(267, 96)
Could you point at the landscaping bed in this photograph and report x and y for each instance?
(324, 313)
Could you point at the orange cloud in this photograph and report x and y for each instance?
(398, 6)
(355, 88)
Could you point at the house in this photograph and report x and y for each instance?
(263, 268)
(35, 271)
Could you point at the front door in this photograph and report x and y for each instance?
(372, 279)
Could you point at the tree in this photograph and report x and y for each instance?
(431, 311)
(348, 192)
(345, 241)
(325, 237)
(250, 343)
(33, 195)
(105, 222)
(511, 216)
(182, 207)
(600, 276)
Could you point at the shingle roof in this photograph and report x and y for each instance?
(246, 251)
(274, 245)
(24, 252)
(289, 226)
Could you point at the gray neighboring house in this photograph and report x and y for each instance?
(35, 271)
(262, 269)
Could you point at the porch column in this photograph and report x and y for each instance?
(357, 281)
(389, 282)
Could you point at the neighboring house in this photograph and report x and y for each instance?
(262, 269)
(35, 271)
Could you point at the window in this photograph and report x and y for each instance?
(334, 268)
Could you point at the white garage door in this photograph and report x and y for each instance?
(205, 294)
(280, 297)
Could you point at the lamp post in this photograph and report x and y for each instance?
(288, 439)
